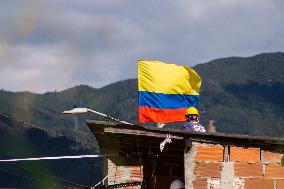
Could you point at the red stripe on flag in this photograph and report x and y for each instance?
(147, 114)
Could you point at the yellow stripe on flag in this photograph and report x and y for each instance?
(158, 77)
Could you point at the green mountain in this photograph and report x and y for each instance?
(243, 95)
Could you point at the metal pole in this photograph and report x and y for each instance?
(109, 117)
(92, 172)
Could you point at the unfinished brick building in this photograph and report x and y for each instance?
(201, 160)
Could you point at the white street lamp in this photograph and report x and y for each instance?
(86, 110)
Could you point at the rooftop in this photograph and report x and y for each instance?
(129, 141)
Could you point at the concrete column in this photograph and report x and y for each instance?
(189, 164)
(227, 175)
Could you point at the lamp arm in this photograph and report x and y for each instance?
(108, 116)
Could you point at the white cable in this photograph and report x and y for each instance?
(102, 181)
(52, 158)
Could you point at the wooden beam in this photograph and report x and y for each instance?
(139, 133)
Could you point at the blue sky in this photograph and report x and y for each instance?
(56, 44)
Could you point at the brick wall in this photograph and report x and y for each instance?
(214, 167)
(246, 168)
(124, 174)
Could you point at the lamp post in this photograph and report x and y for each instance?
(86, 110)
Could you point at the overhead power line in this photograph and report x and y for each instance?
(29, 178)
(23, 123)
(47, 175)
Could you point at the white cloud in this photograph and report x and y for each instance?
(36, 68)
(57, 44)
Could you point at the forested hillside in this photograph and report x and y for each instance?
(244, 95)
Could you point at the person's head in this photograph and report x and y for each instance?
(192, 114)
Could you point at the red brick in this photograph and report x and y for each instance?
(207, 169)
(259, 184)
(200, 184)
(209, 153)
(271, 157)
(279, 183)
(274, 171)
(132, 187)
(248, 170)
(244, 154)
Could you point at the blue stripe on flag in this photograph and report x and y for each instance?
(167, 101)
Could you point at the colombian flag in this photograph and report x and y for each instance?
(166, 91)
